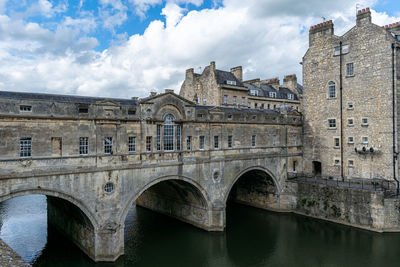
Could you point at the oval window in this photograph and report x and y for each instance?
(109, 188)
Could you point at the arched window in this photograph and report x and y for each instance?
(169, 133)
(331, 89)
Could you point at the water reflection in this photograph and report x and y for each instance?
(253, 238)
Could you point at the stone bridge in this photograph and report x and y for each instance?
(90, 196)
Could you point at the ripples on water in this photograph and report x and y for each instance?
(253, 238)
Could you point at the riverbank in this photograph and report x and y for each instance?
(9, 258)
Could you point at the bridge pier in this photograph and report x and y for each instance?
(103, 244)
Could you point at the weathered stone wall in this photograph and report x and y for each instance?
(9, 258)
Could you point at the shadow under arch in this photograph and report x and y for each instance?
(204, 197)
(56, 194)
(255, 186)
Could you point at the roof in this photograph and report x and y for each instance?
(65, 98)
(223, 76)
(251, 110)
(265, 89)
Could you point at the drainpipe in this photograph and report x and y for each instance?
(393, 122)
(341, 112)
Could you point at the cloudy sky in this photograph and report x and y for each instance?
(125, 48)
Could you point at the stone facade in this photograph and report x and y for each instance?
(359, 142)
(222, 88)
(94, 158)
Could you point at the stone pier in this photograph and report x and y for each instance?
(9, 258)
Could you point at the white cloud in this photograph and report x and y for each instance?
(265, 41)
(114, 16)
(141, 6)
(3, 4)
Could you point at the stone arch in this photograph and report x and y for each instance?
(170, 108)
(57, 194)
(246, 170)
(159, 180)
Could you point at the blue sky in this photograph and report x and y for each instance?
(125, 48)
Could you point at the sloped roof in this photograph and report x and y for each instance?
(65, 98)
(224, 76)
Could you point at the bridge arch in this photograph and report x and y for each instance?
(204, 197)
(57, 194)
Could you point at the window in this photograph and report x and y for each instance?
(254, 117)
(295, 140)
(274, 106)
(201, 145)
(197, 100)
(158, 141)
(131, 144)
(108, 145)
(350, 122)
(262, 106)
(337, 162)
(350, 69)
(199, 115)
(229, 116)
(255, 105)
(274, 140)
(336, 142)
(350, 140)
(351, 163)
(364, 121)
(332, 123)
(345, 50)
(25, 108)
(131, 111)
(253, 141)
(249, 104)
(109, 188)
(294, 166)
(234, 100)
(83, 109)
(229, 141)
(365, 140)
(83, 145)
(189, 143)
(269, 106)
(148, 143)
(231, 82)
(178, 137)
(243, 101)
(225, 99)
(254, 92)
(272, 94)
(331, 89)
(350, 105)
(290, 96)
(216, 144)
(169, 133)
(204, 101)
(25, 147)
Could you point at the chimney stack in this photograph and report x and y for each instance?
(324, 29)
(189, 74)
(212, 65)
(238, 72)
(274, 82)
(363, 17)
(290, 81)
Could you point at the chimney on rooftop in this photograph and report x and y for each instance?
(212, 65)
(238, 72)
(363, 17)
(274, 82)
(290, 81)
(324, 29)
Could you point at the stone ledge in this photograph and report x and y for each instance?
(9, 258)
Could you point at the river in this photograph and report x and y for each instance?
(253, 237)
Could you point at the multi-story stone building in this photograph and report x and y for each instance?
(351, 100)
(215, 87)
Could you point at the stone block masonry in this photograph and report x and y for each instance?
(9, 258)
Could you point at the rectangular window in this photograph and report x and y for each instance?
(294, 166)
(262, 106)
(274, 107)
(148, 143)
(178, 137)
(254, 92)
(249, 104)
(132, 144)
(336, 142)
(216, 143)
(253, 141)
(345, 50)
(131, 111)
(83, 109)
(272, 94)
(108, 145)
(229, 141)
(243, 101)
(225, 99)
(234, 100)
(255, 105)
(201, 144)
(365, 140)
(295, 140)
(274, 140)
(350, 122)
(350, 140)
(350, 69)
(204, 101)
(290, 96)
(25, 108)
(158, 137)
(351, 163)
(83, 145)
(25, 147)
(189, 143)
(332, 123)
(337, 162)
(231, 82)
(364, 121)
(269, 106)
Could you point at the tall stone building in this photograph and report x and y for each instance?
(351, 100)
(215, 87)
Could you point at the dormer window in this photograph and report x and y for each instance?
(254, 92)
(25, 108)
(272, 94)
(231, 82)
(290, 96)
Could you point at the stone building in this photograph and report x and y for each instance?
(351, 101)
(215, 87)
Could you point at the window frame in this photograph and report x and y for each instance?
(83, 145)
(216, 141)
(108, 145)
(189, 143)
(225, 101)
(350, 69)
(332, 121)
(201, 142)
(336, 142)
(25, 147)
(332, 92)
(149, 143)
(131, 144)
(253, 140)
(230, 141)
